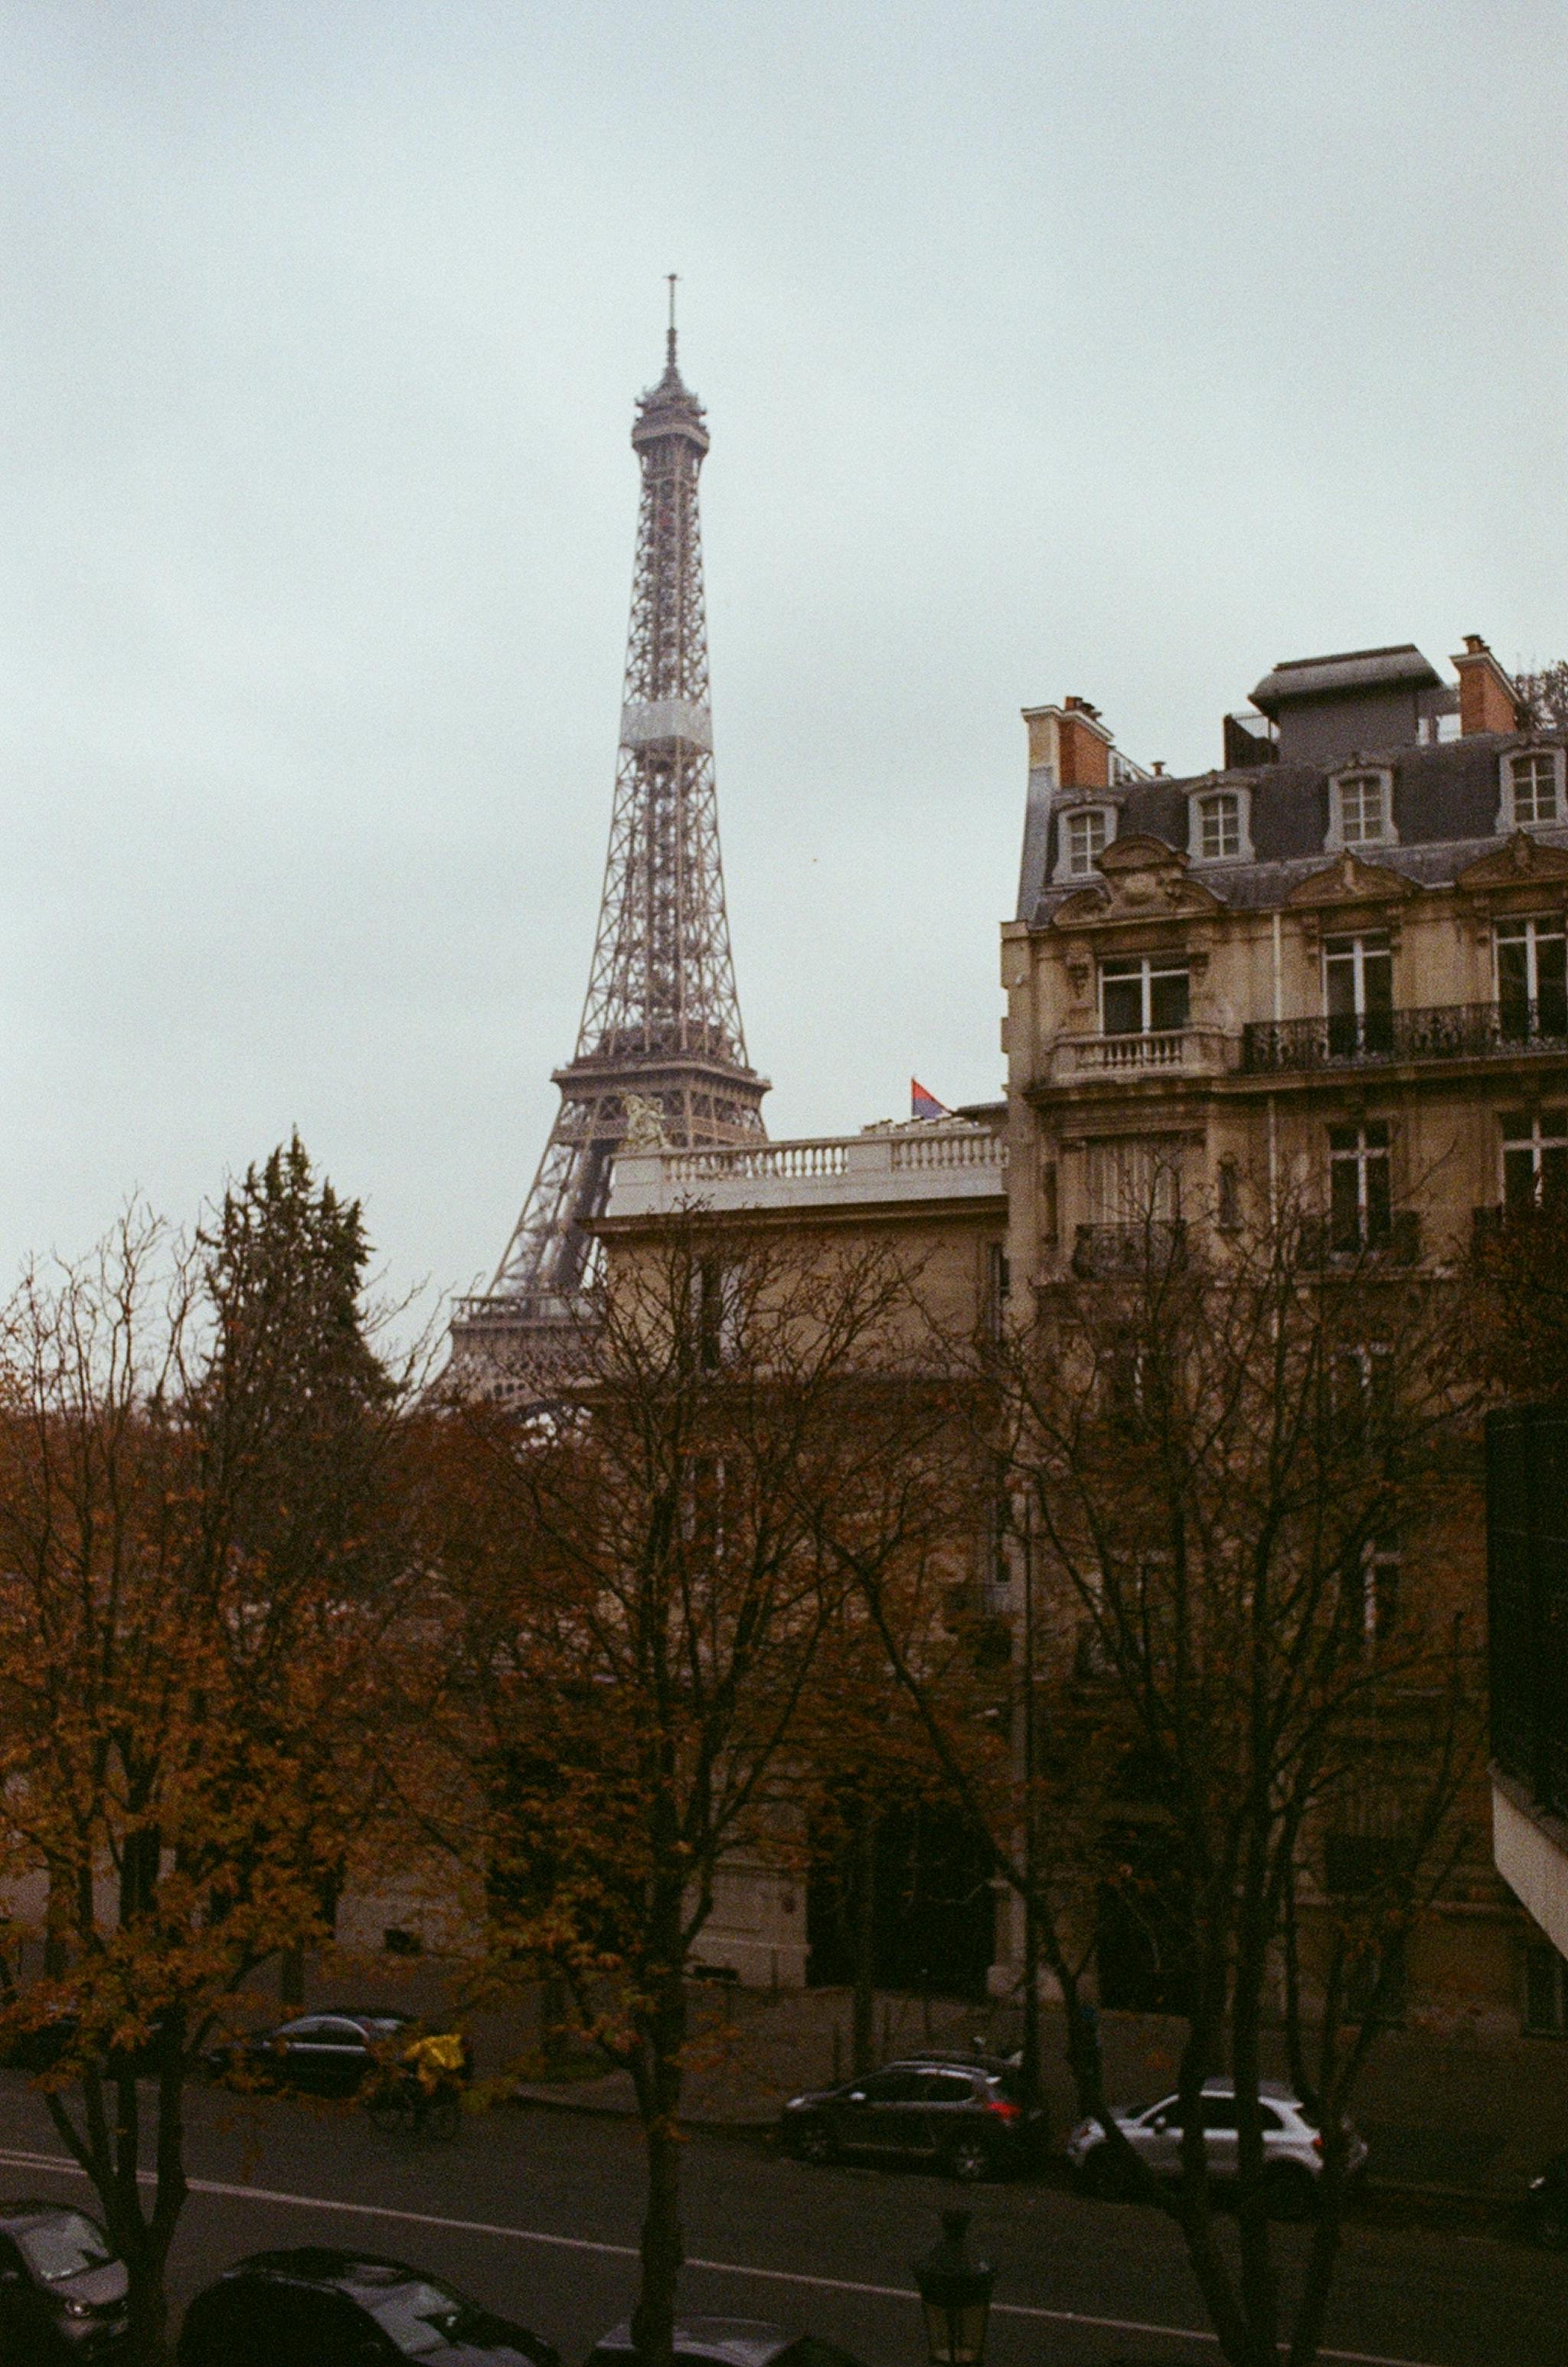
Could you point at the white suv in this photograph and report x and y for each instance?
(1292, 2144)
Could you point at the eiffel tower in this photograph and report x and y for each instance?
(661, 1021)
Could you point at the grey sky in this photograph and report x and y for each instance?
(1103, 347)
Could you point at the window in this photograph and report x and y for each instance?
(1369, 1602)
(1359, 1203)
(1148, 996)
(1535, 1157)
(1357, 992)
(1532, 788)
(998, 1284)
(1545, 1993)
(1217, 833)
(1135, 1180)
(1363, 801)
(1532, 978)
(1084, 835)
(1228, 1210)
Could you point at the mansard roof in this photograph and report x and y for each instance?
(1445, 806)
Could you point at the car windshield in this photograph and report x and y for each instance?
(425, 2319)
(64, 2247)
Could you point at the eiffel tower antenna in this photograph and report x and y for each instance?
(661, 1021)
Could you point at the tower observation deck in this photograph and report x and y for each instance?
(661, 1021)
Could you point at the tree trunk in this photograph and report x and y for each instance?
(291, 1978)
(863, 2035)
(657, 2077)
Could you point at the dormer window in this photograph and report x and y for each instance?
(1083, 834)
(1532, 788)
(1361, 811)
(1217, 828)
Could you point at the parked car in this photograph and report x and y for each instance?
(1547, 2206)
(728, 2342)
(1292, 2144)
(345, 2309)
(317, 2054)
(967, 2114)
(63, 2291)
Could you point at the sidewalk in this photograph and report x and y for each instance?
(1464, 2115)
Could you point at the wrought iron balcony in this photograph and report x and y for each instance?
(1448, 1031)
(1322, 1243)
(1102, 1251)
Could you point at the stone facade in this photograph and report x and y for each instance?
(1334, 971)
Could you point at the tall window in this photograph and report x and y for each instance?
(1535, 1157)
(1369, 1602)
(1532, 780)
(1358, 986)
(1363, 809)
(1145, 996)
(1134, 1180)
(1359, 1202)
(1219, 826)
(1532, 977)
(1083, 840)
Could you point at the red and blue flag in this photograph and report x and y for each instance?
(924, 1105)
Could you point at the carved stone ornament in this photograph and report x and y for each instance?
(645, 1126)
(1144, 879)
(1521, 859)
(1349, 881)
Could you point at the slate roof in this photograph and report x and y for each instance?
(1398, 668)
(1445, 809)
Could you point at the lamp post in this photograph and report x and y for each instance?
(955, 2294)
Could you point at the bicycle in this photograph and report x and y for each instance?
(403, 2107)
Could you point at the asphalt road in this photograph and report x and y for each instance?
(536, 2214)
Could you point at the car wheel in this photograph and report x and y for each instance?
(815, 2143)
(1289, 2193)
(970, 2159)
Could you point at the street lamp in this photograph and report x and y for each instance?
(955, 2293)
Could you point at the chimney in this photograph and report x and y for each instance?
(1488, 700)
(1071, 743)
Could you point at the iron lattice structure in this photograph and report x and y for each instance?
(661, 1021)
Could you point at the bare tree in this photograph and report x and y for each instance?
(636, 1596)
(1211, 1458)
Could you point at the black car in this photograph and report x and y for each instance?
(63, 2291)
(967, 2114)
(728, 2342)
(319, 2054)
(345, 2309)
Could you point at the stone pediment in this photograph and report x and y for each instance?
(1348, 880)
(1523, 858)
(1144, 879)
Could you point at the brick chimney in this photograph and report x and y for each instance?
(1073, 742)
(1488, 700)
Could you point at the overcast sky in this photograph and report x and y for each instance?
(1102, 347)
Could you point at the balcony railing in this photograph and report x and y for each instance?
(1448, 1031)
(1527, 1512)
(1322, 1243)
(1160, 1052)
(1102, 1251)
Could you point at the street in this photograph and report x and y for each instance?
(536, 2211)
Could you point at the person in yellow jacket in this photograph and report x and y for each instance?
(439, 2064)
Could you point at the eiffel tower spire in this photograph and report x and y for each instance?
(662, 1020)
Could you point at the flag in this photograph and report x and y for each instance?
(924, 1105)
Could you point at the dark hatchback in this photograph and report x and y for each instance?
(728, 2342)
(323, 2309)
(63, 2291)
(318, 2054)
(968, 2116)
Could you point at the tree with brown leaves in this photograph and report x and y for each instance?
(197, 1561)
